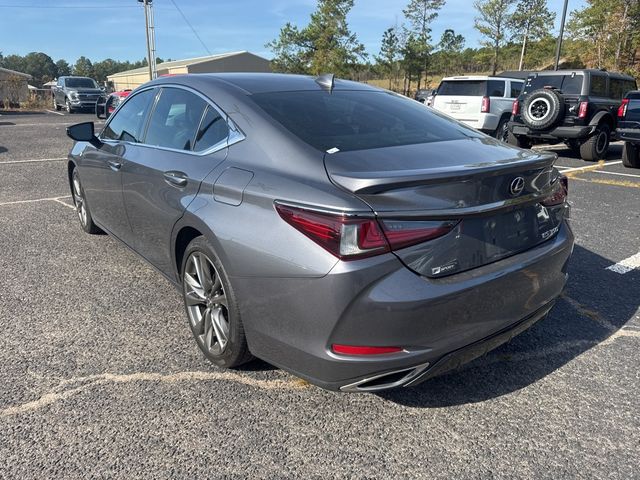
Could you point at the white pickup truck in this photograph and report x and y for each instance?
(481, 102)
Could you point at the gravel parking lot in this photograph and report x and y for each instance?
(101, 378)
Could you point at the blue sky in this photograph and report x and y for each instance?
(87, 27)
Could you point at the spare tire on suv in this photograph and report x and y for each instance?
(542, 109)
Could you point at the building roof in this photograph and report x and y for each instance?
(13, 72)
(181, 63)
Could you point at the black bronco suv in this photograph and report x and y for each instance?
(578, 107)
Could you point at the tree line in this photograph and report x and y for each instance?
(43, 69)
(514, 35)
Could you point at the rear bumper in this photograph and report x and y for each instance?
(439, 323)
(629, 134)
(487, 122)
(556, 133)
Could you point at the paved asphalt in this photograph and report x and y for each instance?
(100, 378)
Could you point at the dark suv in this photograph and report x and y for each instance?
(578, 107)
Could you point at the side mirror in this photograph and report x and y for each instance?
(83, 132)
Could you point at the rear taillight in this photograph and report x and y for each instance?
(515, 108)
(350, 238)
(622, 109)
(584, 107)
(559, 195)
(486, 105)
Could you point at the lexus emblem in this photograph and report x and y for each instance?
(517, 186)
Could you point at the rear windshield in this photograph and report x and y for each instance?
(571, 85)
(80, 83)
(358, 120)
(463, 88)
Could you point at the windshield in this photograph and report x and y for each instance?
(567, 84)
(80, 82)
(358, 120)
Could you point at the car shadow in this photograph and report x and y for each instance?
(614, 152)
(596, 303)
(20, 113)
(3, 149)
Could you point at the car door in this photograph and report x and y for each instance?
(186, 139)
(101, 167)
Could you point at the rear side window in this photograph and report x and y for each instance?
(463, 88)
(495, 88)
(358, 120)
(213, 130)
(598, 86)
(175, 119)
(128, 122)
(516, 89)
(616, 88)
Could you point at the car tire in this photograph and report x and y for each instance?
(80, 203)
(518, 140)
(502, 132)
(631, 155)
(542, 109)
(67, 106)
(596, 146)
(211, 307)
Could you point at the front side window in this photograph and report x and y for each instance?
(213, 130)
(128, 123)
(359, 120)
(175, 119)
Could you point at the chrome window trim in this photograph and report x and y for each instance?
(235, 134)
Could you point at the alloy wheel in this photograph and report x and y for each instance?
(78, 200)
(207, 305)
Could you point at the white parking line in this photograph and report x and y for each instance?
(34, 160)
(626, 265)
(617, 173)
(36, 200)
(598, 165)
(57, 113)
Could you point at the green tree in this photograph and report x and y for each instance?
(389, 50)
(62, 68)
(325, 45)
(451, 46)
(531, 20)
(40, 66)
(493, 22)
(420, 14)
(83, 67)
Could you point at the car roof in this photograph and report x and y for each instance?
(479, 77)
(582, 71)
(252, 83)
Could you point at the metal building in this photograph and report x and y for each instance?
(226, 62)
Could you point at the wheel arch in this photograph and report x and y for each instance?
(184, 231)
(603, 117)
(71, 166)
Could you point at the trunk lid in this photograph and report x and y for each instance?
(470, 181)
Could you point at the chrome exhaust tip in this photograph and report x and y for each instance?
(385, 381)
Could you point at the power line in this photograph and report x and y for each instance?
(190, 26)
(82, 7)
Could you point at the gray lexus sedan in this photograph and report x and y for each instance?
(341, 232)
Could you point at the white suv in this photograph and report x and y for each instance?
(479, 101)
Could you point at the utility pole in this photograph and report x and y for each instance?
(559, 45)
(151, 37)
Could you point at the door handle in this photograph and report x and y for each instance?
(113, 165)
(176, 179)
